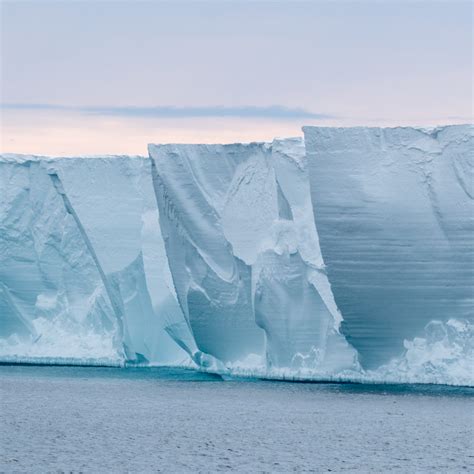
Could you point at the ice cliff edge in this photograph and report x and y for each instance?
(347, 256)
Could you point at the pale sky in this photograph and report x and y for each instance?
(90, 77)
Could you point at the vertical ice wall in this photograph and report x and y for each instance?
(52, 299)
(244, 253)
(212, 284)
(293, 300)
(114, 198)
(395, 217)
(212, 251)
(110, 207)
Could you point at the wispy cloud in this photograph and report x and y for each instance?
(277, 112)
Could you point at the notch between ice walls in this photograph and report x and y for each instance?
(211, 252)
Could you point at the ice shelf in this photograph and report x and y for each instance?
(346, 256)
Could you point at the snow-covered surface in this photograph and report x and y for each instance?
(209, 256)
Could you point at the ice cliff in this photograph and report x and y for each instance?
(82, 261)
(347, 256)
(244, 253)
(395, 216)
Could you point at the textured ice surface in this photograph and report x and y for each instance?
(395, 217)
(244, 253)
(443, 353)
(81, 256)
(212, 253)
(48, 277)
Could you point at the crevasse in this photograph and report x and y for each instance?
(347, 256)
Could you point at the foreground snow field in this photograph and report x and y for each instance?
(348, 256)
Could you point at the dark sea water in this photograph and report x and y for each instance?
(101, 420)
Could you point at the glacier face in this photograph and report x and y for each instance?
(244, 253)
(346, 257)
(76, 236)
(394, 212)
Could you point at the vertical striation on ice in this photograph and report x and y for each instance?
(244, 253)
(49, 279)
(287, 259)
(292, 297)
(88, 229)
(395, 217)
(124, 237)
(212, 284)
